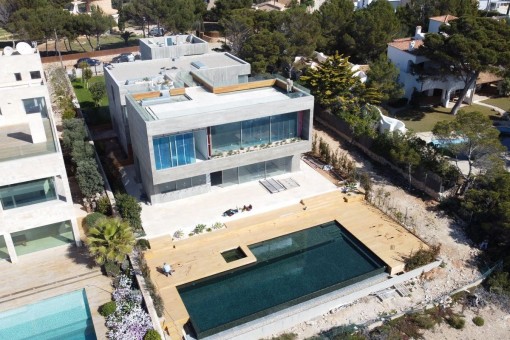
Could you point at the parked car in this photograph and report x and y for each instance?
(89, 61)
(124, 58)
(157, 32)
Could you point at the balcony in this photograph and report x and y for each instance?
(17, 141)
(244, 150)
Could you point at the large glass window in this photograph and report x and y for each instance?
(45, 237)
(230, 177)
(283, 126)
(255, 132)
(252, 172)
(174, 150)
(22, 194)
(4, 253)
(35, 105)
(226, 137)
(278, 166)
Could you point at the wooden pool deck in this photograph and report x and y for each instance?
(200, 256)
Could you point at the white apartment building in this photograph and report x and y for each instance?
(36, 210)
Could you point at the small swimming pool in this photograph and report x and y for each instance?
(289, 270)
(62, 317)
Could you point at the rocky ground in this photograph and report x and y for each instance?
(459, 255)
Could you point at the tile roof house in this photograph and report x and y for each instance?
(417, 73)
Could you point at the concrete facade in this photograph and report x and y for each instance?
(34, 188)
(193, 95)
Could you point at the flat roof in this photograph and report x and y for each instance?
(202, 100)
(152, 68)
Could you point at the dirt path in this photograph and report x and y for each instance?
(430, 224)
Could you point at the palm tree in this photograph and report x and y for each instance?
(111, 239)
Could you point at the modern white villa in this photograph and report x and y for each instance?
(36, 206)
(196, 119)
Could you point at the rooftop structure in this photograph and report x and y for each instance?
(172, 46)
(37, 211)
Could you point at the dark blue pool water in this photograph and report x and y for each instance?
(290, 269)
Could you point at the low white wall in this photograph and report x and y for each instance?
(287, 318)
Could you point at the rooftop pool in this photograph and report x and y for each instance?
(62, 317)
(290, 269)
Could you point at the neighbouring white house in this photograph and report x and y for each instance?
(418, 74)
(36, 207)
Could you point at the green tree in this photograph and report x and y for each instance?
(417, 12)
(383, 77)
(223, 7)
(468, 46)
(110, 240)
(404, 153)
(334, 17)
(97, 91)
(238, 28)
(129, 210)
(125, 36)
(264, 51)
(89, 180)
(369, 31)
(334, 85)
(471, 135)
(302, 31)
(100, 22)
(86, 73)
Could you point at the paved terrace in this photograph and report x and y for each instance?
(54, 272)
(166, 218)
(200, 256)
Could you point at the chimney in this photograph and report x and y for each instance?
(411, 45)
(418, 35)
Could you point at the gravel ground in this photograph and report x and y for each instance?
(457, 251)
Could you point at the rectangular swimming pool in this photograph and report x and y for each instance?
(290, 269)
(62, 317)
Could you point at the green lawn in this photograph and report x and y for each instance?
(4, 35)
(501, 102)
(96, 115)
(424, 119)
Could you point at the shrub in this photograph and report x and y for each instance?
(217, 225)
(112, 269)
(456, 321)
(422, 257)
(479, 321)
(103, 205)
(499, 281)
(91, 219)
(129, 209)
(152, 335)
(158, 303)
(143, 244)
(199, 228)
(179, 233)
(208, 230)
(108, 308)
